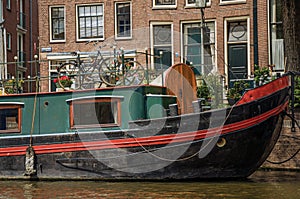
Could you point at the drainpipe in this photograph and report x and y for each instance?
(255, 32)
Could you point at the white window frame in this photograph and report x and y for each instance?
(8, 41)
(77, 28)
(215, 42)
(225, 2)
(193, 5)
(50, 24)
(1, 11)
(236, 19)
(164, 6)
(152, 41)
(116, 20)
(8, 4)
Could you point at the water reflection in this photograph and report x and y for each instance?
(260, 185)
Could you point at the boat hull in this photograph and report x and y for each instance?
(222, 144)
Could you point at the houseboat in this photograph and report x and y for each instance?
(139, 132)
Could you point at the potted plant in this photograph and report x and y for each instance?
(63, 82)
(236, 92)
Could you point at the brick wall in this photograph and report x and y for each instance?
(143, 15)
(287, 145)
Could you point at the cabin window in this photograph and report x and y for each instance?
(93, 113)
(10, 118)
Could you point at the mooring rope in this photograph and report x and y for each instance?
(284, 161)
(34, 110)
(288, 159)
(185, 158)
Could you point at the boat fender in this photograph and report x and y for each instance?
(30, 162)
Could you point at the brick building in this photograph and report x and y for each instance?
(19, 39)
(234, 36)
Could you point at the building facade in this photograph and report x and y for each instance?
(19, 41)
(227, 36)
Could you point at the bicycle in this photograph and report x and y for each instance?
(113, 73)
(108, 70)
(84, 74)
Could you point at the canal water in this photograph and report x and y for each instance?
(262, 184)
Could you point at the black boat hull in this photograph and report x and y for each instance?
(222, 144)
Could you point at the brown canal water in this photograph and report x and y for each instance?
(262, 184)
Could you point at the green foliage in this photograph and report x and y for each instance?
(237, 90)
(211, 89)
(261, 75)
(297, 92)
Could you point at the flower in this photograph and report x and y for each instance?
(64, 81)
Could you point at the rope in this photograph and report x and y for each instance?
(181, 159)
(284, 161)
(34, 110)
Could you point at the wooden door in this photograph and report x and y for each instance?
(180, 81)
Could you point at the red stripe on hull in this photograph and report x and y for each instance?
(265, 90)
(145, 141)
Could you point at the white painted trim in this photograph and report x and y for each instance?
(116, 22)
(222, 2)
(152, 42)
(96, 97)
(50, 24)
(77, 28)
(154, 6)
(233, 19)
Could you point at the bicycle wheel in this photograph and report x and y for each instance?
(134, 74)
(109, 71)
(67, 72)
(90, 75)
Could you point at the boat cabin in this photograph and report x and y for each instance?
(68, 111)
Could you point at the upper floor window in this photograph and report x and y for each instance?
(8, 5)
(123, 20)
(195, 3)
(8, 41)
(164, 3)
(232, 1)
(10, 118)
(90, 22)
(57, 23)
(96, 111)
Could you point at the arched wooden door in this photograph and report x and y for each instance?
(180, 81)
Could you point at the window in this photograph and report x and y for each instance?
(193, 3)
(277, 41)
(162, 45)
(8, 41)
(199, 46)
(164, 3)
(123, 20)
(96, 111)
(90, 22)
(10, 118)
(8, 5)
(237, 31)
(1, 11)
(232, 1)
(57, 24)
(53, 64)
